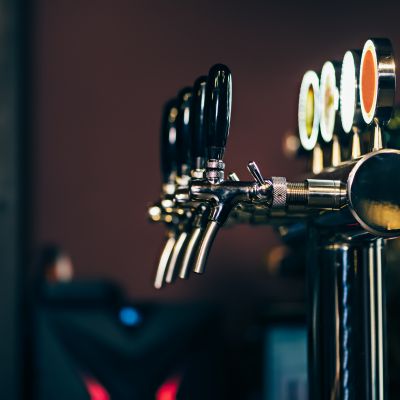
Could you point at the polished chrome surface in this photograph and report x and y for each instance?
(336, 152)
(386, 79)
(205, 246)
(172, 268)
(355, 144)
(279, 191)
(326, 194)
(317, 159)
(322, 194)
(163, 263)
(374, 193)
(346, 343)
(190, 251)
(343, 209)
(377, 139)
(233, 177)
(215, 171)
(198, 226)
(255, 172)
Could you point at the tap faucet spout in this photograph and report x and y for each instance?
(163, 263)
(199, 224)
(205, 246)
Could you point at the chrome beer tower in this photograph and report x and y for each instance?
(348, 206)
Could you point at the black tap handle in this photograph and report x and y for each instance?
(184, 132)
(219, 100)
(198, 122)
(168, 148)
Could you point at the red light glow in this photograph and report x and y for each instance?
(95, 389)
(169, 389)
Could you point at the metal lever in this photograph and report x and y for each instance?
(255, 172)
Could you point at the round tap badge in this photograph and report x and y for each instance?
(377, 81)
(368, 81)
(329, 100)
(350, 113)
(308, 113)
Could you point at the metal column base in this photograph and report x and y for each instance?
(347, 355)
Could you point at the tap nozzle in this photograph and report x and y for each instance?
(204, 249)
(163, 263)
(173, 260)
(224, 196)
(199, 223)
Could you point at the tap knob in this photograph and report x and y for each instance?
(255, 172)
(198, 123)
(184, 132)
(168, 145)
(219, 100)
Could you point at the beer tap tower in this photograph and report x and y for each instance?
(348, 207)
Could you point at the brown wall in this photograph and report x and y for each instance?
(102, 71)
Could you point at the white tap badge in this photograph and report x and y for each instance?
(308, 113)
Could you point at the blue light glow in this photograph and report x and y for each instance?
(129, 316)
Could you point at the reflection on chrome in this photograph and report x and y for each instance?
(382, 214)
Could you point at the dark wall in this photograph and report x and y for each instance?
(102, 71)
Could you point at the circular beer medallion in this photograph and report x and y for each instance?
(377, 82)
(350, 113)
(368, 81)
(329, 100)
(308, 113)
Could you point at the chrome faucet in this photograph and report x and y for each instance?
(184, 166)
(345, 268)
(222, 196)
(198, 156)
(163, 210)
(198, 199)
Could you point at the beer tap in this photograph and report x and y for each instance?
(224, 195)
(345, 271)
(221, 195)
(198, 155)
(184, 166)
(163, 210)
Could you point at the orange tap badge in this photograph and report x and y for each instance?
(377, 81)
(368, 81)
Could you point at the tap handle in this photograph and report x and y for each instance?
(255, 172)
(168, 145)
(198, 123)
(219, 100)
(184, 131)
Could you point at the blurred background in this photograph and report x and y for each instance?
(82, 85)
